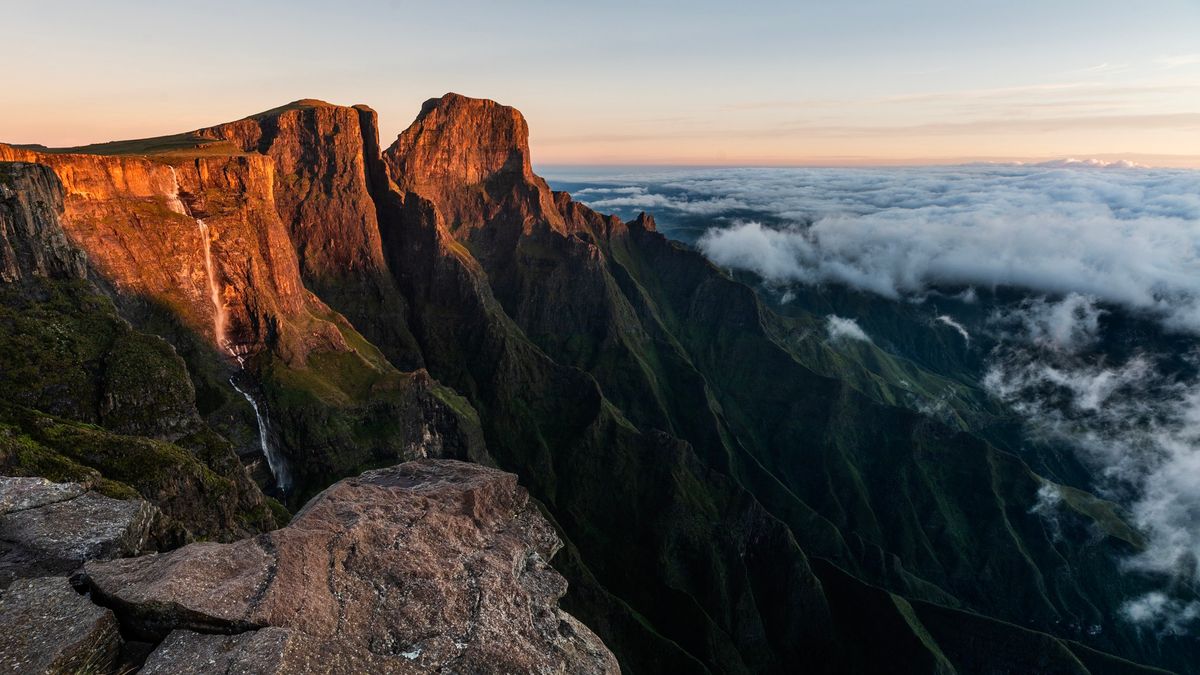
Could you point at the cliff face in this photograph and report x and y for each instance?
(322, 153)
(31, 243)
(727, 501)
(544, 256)
(85, 397)
(470, 157)
(139, 222)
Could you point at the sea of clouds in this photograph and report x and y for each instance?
(1127, 236)
(1080, 239)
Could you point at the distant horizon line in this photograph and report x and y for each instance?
(1110, 161)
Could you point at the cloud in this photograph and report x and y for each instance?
(949, 321)
(704, 207)
(840, 328)
(1072, 163)
(1126, 238)
(1104, 68)
(1070, 324)
(1133, 421)
(630, 190)
(1049, 500)
(1167, 614)
(1178, 60)
(769, 252)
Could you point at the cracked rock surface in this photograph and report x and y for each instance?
(52, 528)
(49, 628)
(429, 565)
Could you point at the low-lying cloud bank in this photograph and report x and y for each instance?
(1127, 236)
(1130, 238)
(607, 199)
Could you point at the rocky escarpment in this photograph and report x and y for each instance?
(323, 155)
(458, 142)
(138, 221)
(429, 566)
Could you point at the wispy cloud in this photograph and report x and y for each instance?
(1133, 420)
(1005, 125)
(1178, 60)
(842, 328)
(949, 321)
(1102, 68)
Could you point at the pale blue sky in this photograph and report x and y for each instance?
(667, 82)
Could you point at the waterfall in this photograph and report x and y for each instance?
(220, 313)
(275, 461)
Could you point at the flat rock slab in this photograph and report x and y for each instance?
(47, 627)
(432, 564)
(23, 493)
(53, 528)
(263, 652)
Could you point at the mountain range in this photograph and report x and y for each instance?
(226, 322)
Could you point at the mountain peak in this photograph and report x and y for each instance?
(463, 140)
(644, 221)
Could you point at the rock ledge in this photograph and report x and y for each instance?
(431, 565)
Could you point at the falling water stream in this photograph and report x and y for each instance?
(275, 461)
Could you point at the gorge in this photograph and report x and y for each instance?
(279, 319)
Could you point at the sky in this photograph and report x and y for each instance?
(709, 83)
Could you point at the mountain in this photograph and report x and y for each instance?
(731, 497)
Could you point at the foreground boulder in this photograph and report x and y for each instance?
(429, 565)
(53, 528)
(49, 628)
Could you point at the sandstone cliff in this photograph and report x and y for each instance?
(138, 221)
(323, 154)
(85, 397)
